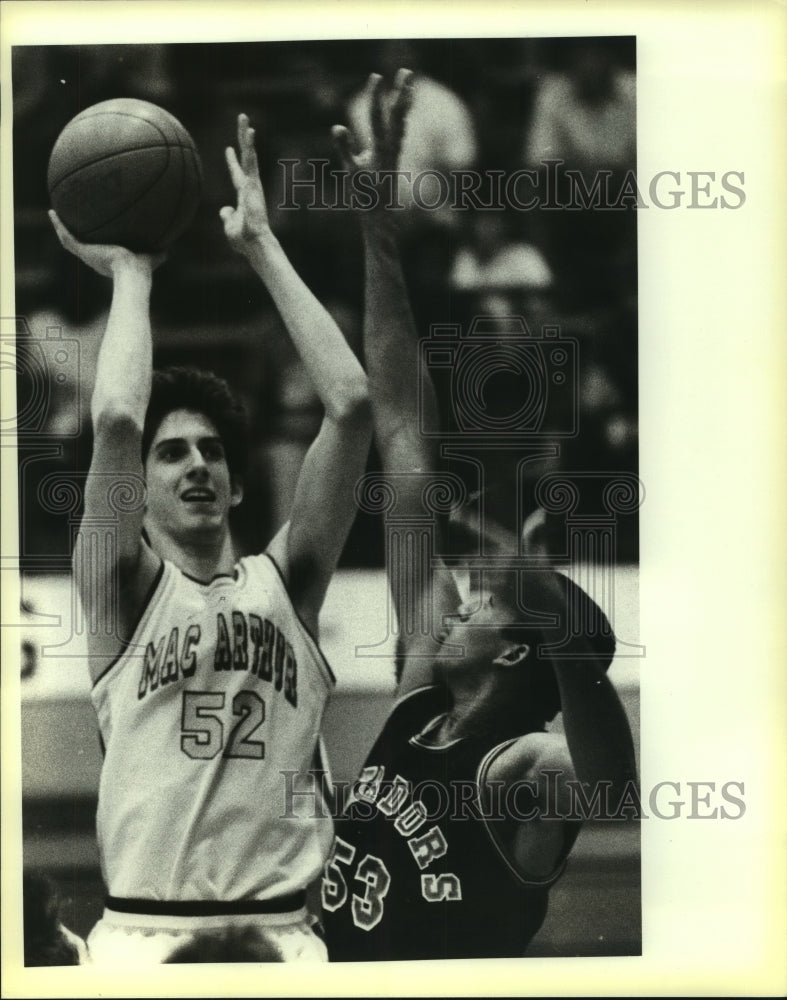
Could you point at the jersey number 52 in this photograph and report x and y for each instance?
(202, 725)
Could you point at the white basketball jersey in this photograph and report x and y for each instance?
(210, 722)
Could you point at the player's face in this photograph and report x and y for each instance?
(190, 490)
(476, 627)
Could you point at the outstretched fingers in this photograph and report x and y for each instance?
(235, 169)
(248, 152)
(388, 113)
(243, 125)
(247, 165)
(403, 99)
(376, 92)
(346, 146)
(387, 117)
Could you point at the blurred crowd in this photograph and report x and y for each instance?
(495, 106)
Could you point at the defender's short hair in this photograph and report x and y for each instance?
(578, 609)
(580, 614)
(178, 388)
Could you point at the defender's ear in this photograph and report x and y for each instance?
(513, 655)
(236, 494)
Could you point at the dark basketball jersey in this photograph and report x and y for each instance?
(416, 870)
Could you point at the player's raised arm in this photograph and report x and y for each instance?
(597, 730)
(110, 557)
(395, 376)
(323, 510)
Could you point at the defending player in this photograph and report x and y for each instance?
(447, 848)
(207, 678)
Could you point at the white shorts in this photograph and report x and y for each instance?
(146, 939)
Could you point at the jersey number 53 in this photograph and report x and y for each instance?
(371, 873)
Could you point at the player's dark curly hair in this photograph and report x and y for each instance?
(192, 389)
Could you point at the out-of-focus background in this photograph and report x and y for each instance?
(495, 106)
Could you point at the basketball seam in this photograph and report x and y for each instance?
(164, 144)
(140, 195)
(108, 156)
(165, 229)
(85, 115)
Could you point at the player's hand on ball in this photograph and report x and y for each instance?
(388, 120)
(249, 220)
(104, 258)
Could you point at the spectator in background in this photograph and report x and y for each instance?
(496, 270)
(47, 941)
(585, 117)
(496, 274)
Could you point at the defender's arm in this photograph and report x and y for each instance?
(419, 588)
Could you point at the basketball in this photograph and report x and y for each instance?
(125, 172)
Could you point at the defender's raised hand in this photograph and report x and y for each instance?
(388, 121)
(247, 222)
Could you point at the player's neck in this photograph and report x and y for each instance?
(475, 710)
(202, 557)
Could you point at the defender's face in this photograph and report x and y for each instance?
(475, 626)
(190, 490)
